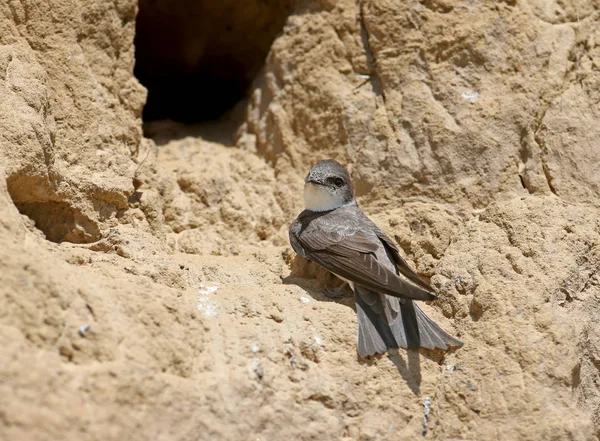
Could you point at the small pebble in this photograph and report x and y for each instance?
(84, 329)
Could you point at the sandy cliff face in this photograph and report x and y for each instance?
(147, 288)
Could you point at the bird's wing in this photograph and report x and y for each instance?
(351, 254)
(401, 264)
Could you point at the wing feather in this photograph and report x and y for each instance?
(401, 264)
(352, 256)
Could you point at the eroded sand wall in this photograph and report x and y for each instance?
(471, 130)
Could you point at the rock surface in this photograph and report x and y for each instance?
(148, 290)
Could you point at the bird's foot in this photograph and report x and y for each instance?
(337, 292)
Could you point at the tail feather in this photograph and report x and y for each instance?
(409, 325)
(409, 329)
(375, 335)
(432, 336)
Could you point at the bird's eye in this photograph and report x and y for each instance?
(338, 182)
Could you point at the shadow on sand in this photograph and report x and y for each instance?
(407, 361)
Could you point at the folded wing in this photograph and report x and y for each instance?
(352, 255)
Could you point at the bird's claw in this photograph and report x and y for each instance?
(335, 293)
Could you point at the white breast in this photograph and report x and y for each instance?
(350, 284)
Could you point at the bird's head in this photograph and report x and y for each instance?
(328, 186)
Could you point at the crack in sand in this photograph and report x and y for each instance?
(372, 62)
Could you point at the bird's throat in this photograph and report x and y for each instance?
(321, 198)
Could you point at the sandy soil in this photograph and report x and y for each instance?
(147, 287)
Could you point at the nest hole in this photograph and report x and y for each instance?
(197, 58)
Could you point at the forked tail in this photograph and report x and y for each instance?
(405, 325)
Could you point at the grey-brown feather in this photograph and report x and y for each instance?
(347, 243)
(350, 245)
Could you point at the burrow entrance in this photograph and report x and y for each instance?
(197, 58)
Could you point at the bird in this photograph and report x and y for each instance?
(334, 233)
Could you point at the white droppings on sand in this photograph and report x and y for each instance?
(471, 96)
(207, 306)
(426, 411)
(207, 289)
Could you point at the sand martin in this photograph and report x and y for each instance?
(334, 233)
